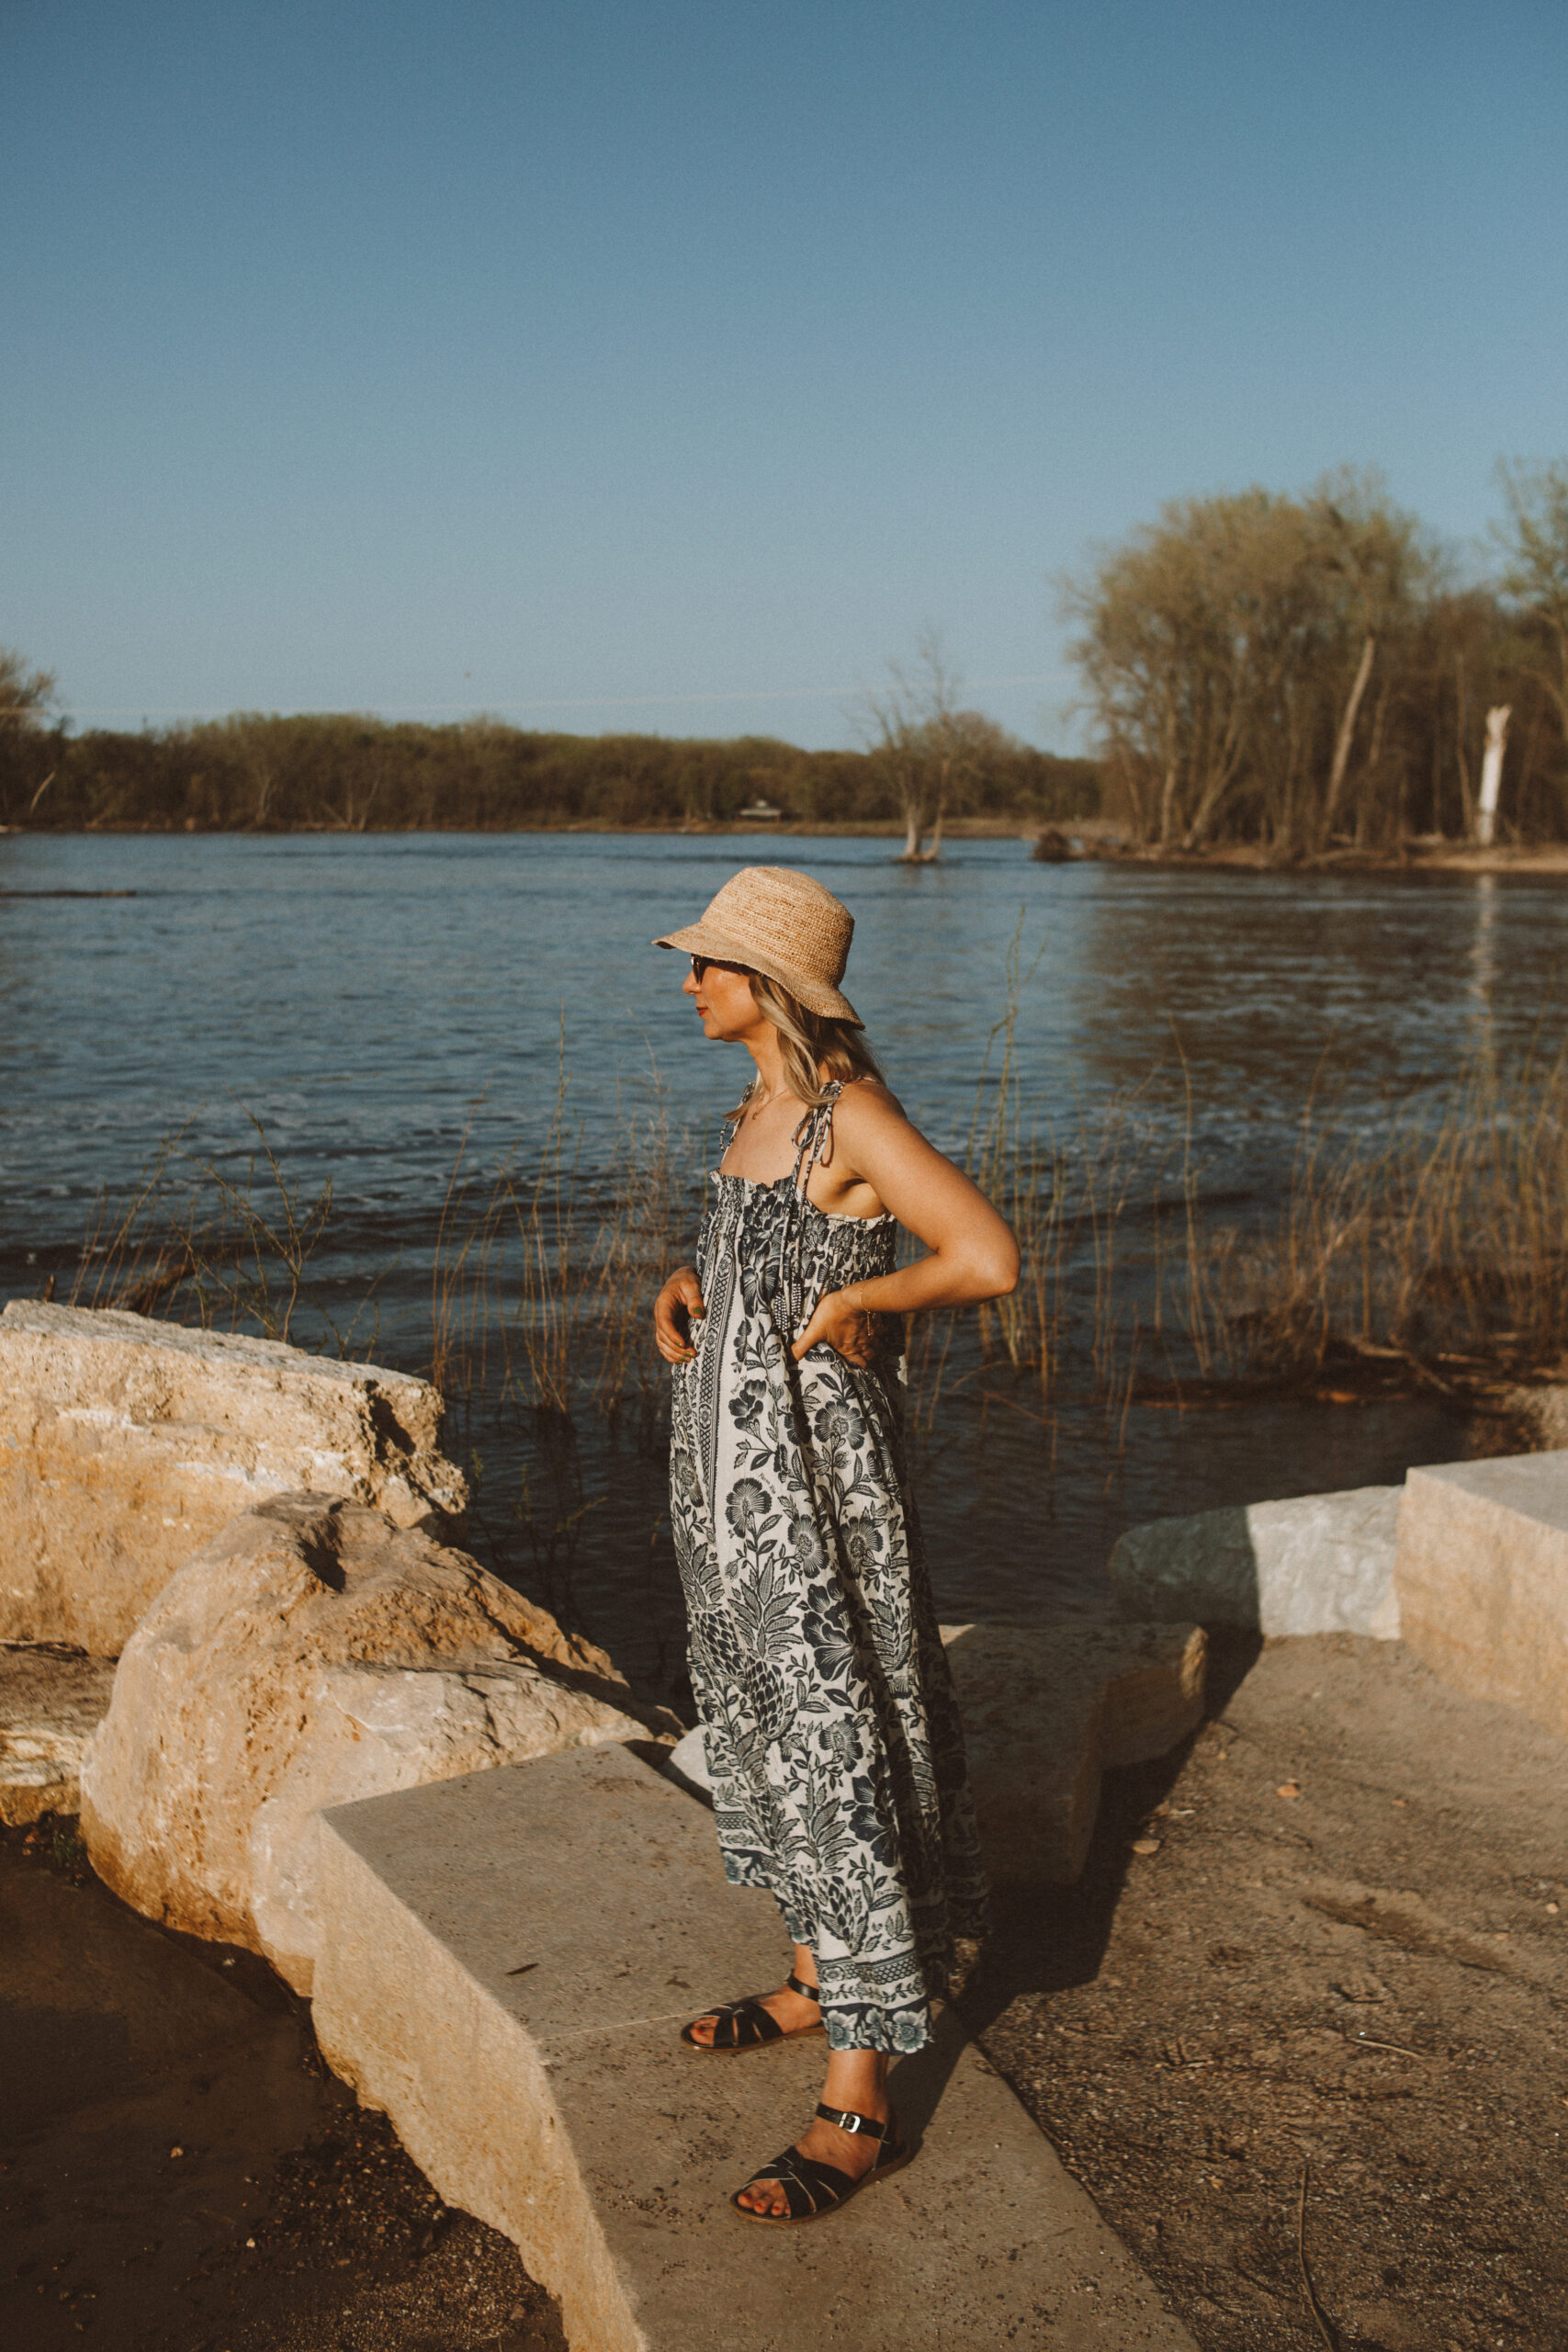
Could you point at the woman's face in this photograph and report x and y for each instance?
(722, 993)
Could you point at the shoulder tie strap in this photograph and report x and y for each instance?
(813, 1141)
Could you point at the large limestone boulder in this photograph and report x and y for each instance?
(1047, 1709)
(125, 1444)
(1315, 1564)
(312, 1653)
(51, 1701)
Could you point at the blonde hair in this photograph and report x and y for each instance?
(815, 1049)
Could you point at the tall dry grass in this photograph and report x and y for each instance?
(1429, 1248)
(1440, 1240)
(542, 1276)
(196, 1243)
(1086, 1201)
(1445, 1238)
(1437, 1236)
(537, 1284)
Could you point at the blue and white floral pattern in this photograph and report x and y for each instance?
(832, 1729)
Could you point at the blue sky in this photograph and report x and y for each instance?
(670, 367)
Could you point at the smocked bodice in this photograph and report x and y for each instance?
(783, 1252)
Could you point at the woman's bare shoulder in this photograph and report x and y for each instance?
(867, 1107)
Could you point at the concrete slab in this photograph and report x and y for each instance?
(1311, 1564)
(508, 1958)
(1046, 1711)
(1482, 1576)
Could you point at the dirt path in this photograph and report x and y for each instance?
(179, 2173)
(1363, 1984)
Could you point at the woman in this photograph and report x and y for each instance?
(831, 1733)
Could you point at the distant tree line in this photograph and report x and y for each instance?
(1306, 671)
(252, 773)
(1300, 673)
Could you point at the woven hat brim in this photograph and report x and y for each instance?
(702, 939)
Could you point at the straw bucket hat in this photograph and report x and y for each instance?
(775, 921)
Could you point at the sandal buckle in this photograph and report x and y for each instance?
(848, 2120)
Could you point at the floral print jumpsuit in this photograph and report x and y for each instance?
(831, 1727)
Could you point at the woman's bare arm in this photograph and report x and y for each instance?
(972, 1253)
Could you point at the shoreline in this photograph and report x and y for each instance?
(1411, 861)
(1102, 843)
(178, 2166)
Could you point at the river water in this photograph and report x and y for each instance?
(369, 999)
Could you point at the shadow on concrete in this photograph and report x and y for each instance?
(1045, 1939)
(918, 2082)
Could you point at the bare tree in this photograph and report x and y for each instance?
(1498, 719)
(933, 751)
(25, 694)
(1535, 539)
(1371, 547)
(1186, 645)
(25, 699)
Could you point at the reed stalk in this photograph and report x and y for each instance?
(1440, 1240)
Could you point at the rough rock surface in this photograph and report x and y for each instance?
(1543, 1409)
(125, 1444)
(1046, 1711)
(51, 1701)
(1315, 1564)
(1483, 1579)
(309, 1654)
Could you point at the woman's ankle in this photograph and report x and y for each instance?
(857, 2081)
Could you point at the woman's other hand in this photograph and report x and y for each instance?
(680, 1299)
(842, 1324)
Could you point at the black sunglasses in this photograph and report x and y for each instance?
(700, 963)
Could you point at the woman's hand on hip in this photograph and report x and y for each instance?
(842, 1324)
(680, 1298)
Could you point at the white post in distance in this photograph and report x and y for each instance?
(1492, 772)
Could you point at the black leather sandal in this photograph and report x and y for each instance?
(813, 2189)
(746, 2024)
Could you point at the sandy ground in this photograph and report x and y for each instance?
(179, 2173)
(1344, 1967)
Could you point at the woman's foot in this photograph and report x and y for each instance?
(857, 2081)
(792, 2012)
